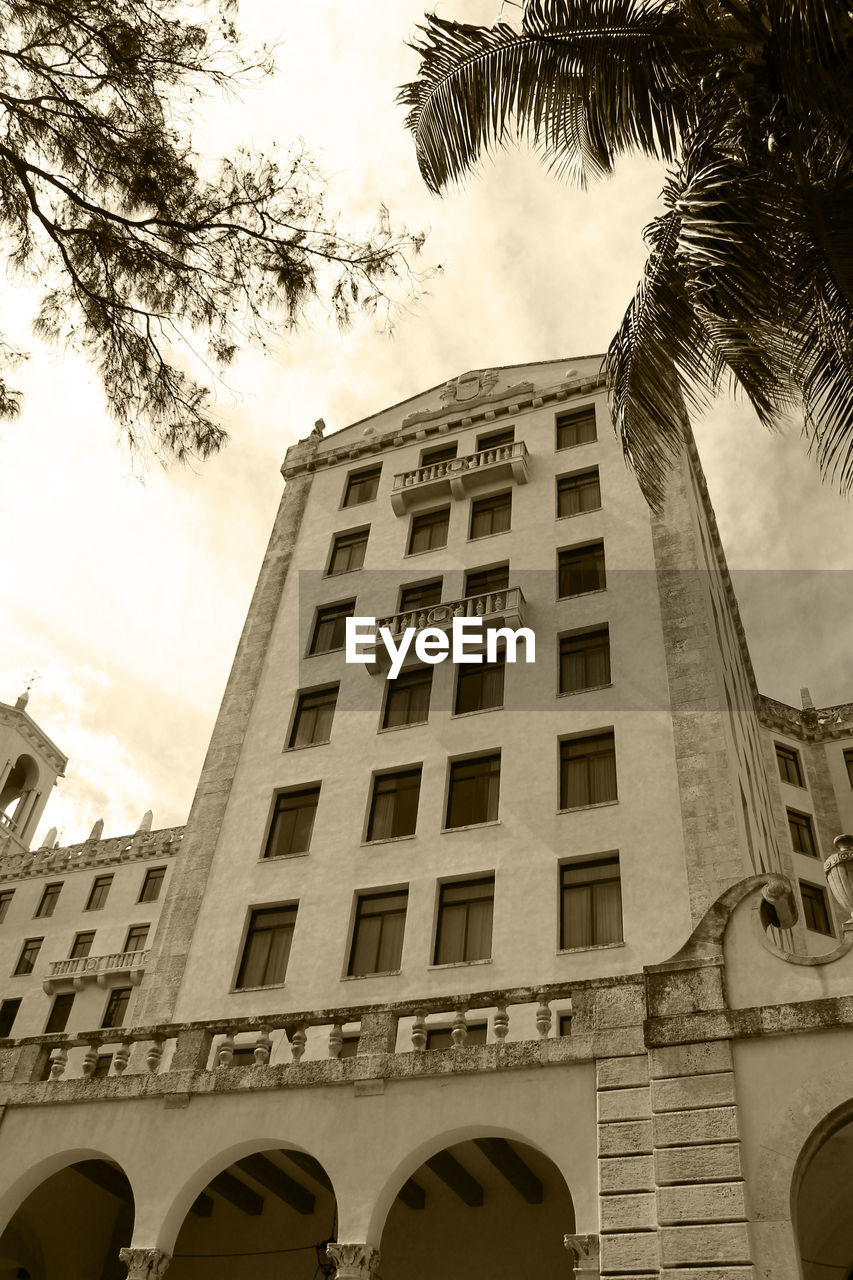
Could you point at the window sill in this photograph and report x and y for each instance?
(460, 964)
(382, 973)
(582, 808)
(272, 986)
(481, 711)
(284, 857)
(394, 728)
(481, 537)
(593, 946)
(306, 746)
(820, 933)
(321, 653)
(425, 552)
(589, 688)
(579, 595)
(573, 514)
(580, 444)
(341, 573)
(471, 826)
(369, 844)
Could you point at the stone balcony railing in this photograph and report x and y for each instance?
(68, 975)
(496, 608)
(22, 862)
(459, 476)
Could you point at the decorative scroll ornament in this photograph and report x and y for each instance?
(354, 1261)
(145, 1264)
(839, 872)
(469, 386)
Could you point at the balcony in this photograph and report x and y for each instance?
(73, 975)
(497, 609)
(458, 477)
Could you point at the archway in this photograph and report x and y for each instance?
(823, 1211)
(485, 1207)
(23, 778)
(72, 1225)
(266, 1216)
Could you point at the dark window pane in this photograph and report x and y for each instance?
(407, 698)
(394, 804)
(152, 884)
(585, 660)
(496, 439)
(420, 595)
(479, 688)
(330, 627)
(474, 790)
(491, 515)
(267, 948)
(362, 487)
(81, 946)
(59, 1014)
(104, 1062)
(349, 1047)
(137, 936)
(49, 899)
(348, 552)
(116, 1009)
(442, 453)
(293, 822)
(29, 955)
(482, 581)
(465, 921)
(581, 569)
(587, 770)
(579, 493)
(377, 943)
(789, 765)
(99, 893)
(429, 531)
(314, 714)
(848, 760)
(574, 428)
(8, 1014)
(591, 913)
(442, 1037)
(802, 834)
(5, 898)
(815, 910)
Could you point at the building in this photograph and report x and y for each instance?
(492, 969)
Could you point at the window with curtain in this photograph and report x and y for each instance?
(394, 804)
(49, 899)
(152, 884)
(581, 569)
(585, 660)
(578, 493)
(137, 936)
(442, 1037)
(267, 947)
(361, 486)
(420, 595)
(465, 911)
(330, 627)
(82, 945)
(481, 582)
(587, 770)
(789, 765)
(441, 453)
(480, 688)
(377, 941)
(99, 893)
(60, 1011)
(407, 698)
(577, 427)
(5, 899)
(591, 906)
(491, 515)
(116, 1010)
(848, 762)
(496, 439)
(293, 822)
(474, 790)
(27, 958)
(802, 833)
(815, 909)
(348, 552)
(429, 530)
(314, 714)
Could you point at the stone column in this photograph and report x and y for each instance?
(145, 1264)
(354, 1261)
(586, 1256)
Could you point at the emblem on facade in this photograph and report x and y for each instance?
(469, 386)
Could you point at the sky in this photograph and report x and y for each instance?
(124, 587)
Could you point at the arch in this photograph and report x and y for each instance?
(820, 1196)
(32, 1178)
(23, 777)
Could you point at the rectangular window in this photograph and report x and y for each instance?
(429, 530)
(99, 893)
(815, 909)
(789, 765)
(848, 762)
(480, 688)
(330, 627)
(267, 947)
(482, 582)
(116, 1010)
(377, 941)
(465, 911)
(8, 1014)
(137, 936)
(361, 486)
(442, 1037)
(587, 770)
(348, 552)
(49, 899)
(581, 569)
(496, 439)
(152, 884)
(407, 698)
(577, 427)
(441, 453)
(314, 714)
(474, 791)
(82, 945)
(591, 903)
(585, 660)
(578, 493)
(394, 804)
(802, 833)
(420, 595)
(60, 1011)
(293, 822)
(27, 958)
(491, 515)
(5, 898)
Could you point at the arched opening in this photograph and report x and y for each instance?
(267, 1216)
(72, 1225)
(823, 1211)
(23, 778)
(485, 1207)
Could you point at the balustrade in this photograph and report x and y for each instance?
(459, 476)
(508, 605)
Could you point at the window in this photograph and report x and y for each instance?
(789, 765)
(394, 804)
(802, 833)
(137, 936)
(82, 945)
(591, 903)
(429, 530)
(152, 884)
(496, 439)
(5, 898)
(577, 427)
(103, 1064)
(99, 893)
(564, 1024)
(581, 569)
(116, 1010)
(491, 515)
(585, 660)
(349, 1046)
(27, 958)
(361, 486)
(587, 770)
(474, 790)
(848, 761)
(465, 921)
(442, 453)
(815, 909)
(59, 1014)
(348, 551)
(420, 595)
(407, 698)
(377, 941)
(313, 720)
(330, 627)
(581, 492)
(483, 581)
(267, 947)
(48, 902)
(480, 688)
(8, 1014)
(292, 822)
(442, 1037)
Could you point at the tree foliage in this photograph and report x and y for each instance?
(750, 270)
(144, 259)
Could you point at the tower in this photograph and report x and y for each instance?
(30, 765)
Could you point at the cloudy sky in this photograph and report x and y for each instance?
(125, 588)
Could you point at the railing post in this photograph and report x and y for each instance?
(378, 1033)
(192, 1049)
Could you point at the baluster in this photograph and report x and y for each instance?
(263, 1047)
(297, 1044)
(419, 1035)
(497, 603)
(336, 1040)
(543, 1018)
(59, 1063)
(480, 607)
(90, 1060)
(225, 1052)
(122, 1057)
(459, 1033)
(501, 1023)
(153, 1056)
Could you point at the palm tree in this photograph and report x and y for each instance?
(749, 277)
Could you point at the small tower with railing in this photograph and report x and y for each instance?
(30, 765)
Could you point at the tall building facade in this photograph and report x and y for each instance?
(506, 962)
